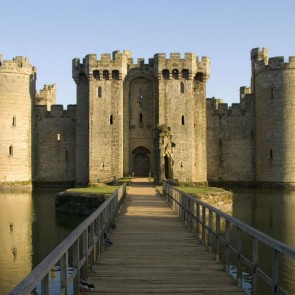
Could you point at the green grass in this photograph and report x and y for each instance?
(124, 180)
(196, 190)
(102, 189)
(200, 190)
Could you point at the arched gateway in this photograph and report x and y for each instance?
(141, 161)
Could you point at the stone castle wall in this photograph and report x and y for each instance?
(17, 93)
(126, 102)
(182, 101)
(274, 89)
(55, 144)
(230, 141)
(148, 119)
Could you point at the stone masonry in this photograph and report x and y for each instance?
(137, 118)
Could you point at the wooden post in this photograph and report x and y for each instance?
(84, 270)
(195, 223)
(198, 221)
(64, 272)
(191, 213)
(100, 235)
(203, 225)
(92, 257)
(254, 264)
(227, 249)
(239, 253)
(76, 267)
(45, 286)
(275, 271)
(210, 240)
(217, 247)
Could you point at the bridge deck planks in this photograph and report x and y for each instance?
(153, 253)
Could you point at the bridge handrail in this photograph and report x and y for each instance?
(87, 239)
(202, 224)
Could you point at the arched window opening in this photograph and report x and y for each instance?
(10, 150)
(165, 74)
(184, 74)
(105, 74)
(58, 136)
(96, 75)
(140, 117)
(140, 93)
(111, 120)
(13, 121)
(175, 74)
(270, 155)
(199, 77)
(115, 75)
(181, 87)
(99, 91)
(182, 120)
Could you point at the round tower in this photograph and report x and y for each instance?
(17, 94)
(274, 92)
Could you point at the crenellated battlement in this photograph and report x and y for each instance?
(116, 66)
(258, 54)
(56, 111)
(190, 64)
(18, 64)
(216, 107)
(46, 96)
(262, 63)
(244, 93)
(108, 67)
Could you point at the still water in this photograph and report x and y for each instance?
(29, 230)
(273, 213)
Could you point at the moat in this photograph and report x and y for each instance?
(30, 228)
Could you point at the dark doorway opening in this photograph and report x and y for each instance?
(167, 163)
(141, 161)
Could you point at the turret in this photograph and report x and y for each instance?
(17, 94)
(47, 96)
(274, 82)
(257, 55)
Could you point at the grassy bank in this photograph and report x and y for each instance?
(202, 190)
(102, 189)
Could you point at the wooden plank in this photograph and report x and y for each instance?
(153, 253)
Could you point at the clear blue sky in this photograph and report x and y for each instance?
(51, 33)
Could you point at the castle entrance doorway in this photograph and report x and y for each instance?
(168, 170)
(141, 161)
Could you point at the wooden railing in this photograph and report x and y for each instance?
(83, 247)
(215, 229)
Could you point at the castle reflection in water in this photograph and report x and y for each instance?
(30, 228)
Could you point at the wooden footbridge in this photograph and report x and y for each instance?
(161, 245)
(153, 253)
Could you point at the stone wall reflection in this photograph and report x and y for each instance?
(16, 237)
(272, 212)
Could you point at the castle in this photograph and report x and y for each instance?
(147, 119)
